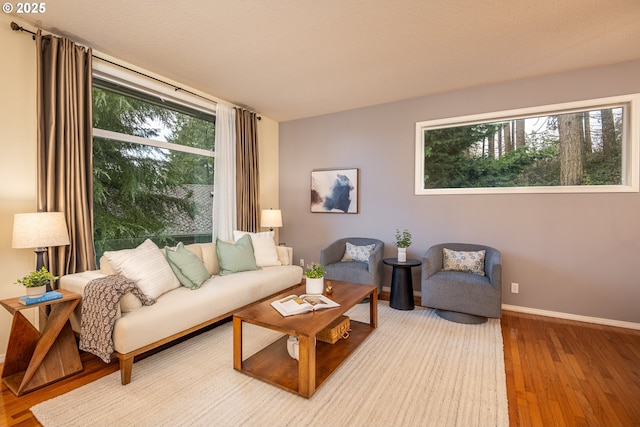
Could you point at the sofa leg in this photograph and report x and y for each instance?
(126, 366)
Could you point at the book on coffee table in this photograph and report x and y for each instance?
(294, 304)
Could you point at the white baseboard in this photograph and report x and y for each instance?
(569, 316)
(558, 314)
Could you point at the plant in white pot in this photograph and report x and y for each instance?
(403, 241)
(36, 282)
(314, 274)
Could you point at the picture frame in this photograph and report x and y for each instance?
(335, 191)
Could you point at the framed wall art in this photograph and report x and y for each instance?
(335, 190)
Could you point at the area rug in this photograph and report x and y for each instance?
(415, 369)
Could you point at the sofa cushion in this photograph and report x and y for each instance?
(236, 257)
(357, 253)
(264, 247)
(146, 266)
(208, 255)
(187, 266)
(468, 262)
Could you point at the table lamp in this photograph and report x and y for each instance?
(271, 218)
(39, 230)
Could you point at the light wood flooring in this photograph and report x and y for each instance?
(559, 373)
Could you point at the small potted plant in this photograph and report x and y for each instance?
(403, 241)
(36, 282)
(314, 274)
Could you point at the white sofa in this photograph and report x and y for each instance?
(182, 311)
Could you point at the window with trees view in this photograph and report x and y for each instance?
(578, 147)
(153, 169)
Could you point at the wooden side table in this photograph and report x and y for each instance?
(401, 283)
(36, 359)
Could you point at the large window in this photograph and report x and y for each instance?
(153, 168)
(588, 146)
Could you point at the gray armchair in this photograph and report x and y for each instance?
(458, 296)
(368, 273)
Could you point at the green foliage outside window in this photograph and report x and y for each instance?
(142, 191)
(578, 148)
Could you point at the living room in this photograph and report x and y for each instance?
(572, 254)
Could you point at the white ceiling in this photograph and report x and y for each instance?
(290, 59)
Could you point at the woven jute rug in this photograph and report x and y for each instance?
(416, 369)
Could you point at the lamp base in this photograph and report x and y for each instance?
(40, 263)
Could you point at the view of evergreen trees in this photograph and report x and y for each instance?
(582, 148)
(143, 191)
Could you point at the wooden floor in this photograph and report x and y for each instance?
(559, 373)
(567, 373)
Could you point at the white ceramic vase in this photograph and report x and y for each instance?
(315, 286)
(293, 347)
(402, 254)
(36, 292)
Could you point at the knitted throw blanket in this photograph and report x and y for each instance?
(99, 310)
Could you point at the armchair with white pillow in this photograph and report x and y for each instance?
(463, 282)
(355, 260)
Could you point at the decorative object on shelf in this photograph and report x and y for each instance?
(329, 289)
(340, 328)
(271, 218)
(36, 282)
(314, 279)
(39, 230)
(403, 241)
(335, 190)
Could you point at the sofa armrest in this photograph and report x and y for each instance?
(493, 268)
(375, 263)
(432, 262)
(332, 253)
(76, 282)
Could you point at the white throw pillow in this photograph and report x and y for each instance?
(358, 253)
(264, 247)
(147, 266)
(128, 301)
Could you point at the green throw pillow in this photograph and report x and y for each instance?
(186, 265)
(236, 257)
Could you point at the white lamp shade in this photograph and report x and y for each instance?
(39, 230)
(271, 218)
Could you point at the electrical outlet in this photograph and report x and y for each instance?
(301, 262)
(515, 288)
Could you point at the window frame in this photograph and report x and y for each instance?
(152, 88)
(630, 146)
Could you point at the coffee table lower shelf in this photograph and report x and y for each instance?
(274, 365)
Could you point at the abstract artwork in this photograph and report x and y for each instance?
(334, 190)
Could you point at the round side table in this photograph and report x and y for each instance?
(402, 283)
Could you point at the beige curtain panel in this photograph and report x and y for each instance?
(65, 158)
(247, 177)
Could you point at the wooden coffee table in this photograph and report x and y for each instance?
(317, 359)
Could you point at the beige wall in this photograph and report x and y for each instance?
(18, 160)
(268, 163)
(571, 253)
(17, 163)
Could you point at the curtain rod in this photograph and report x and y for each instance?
(16, 27)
